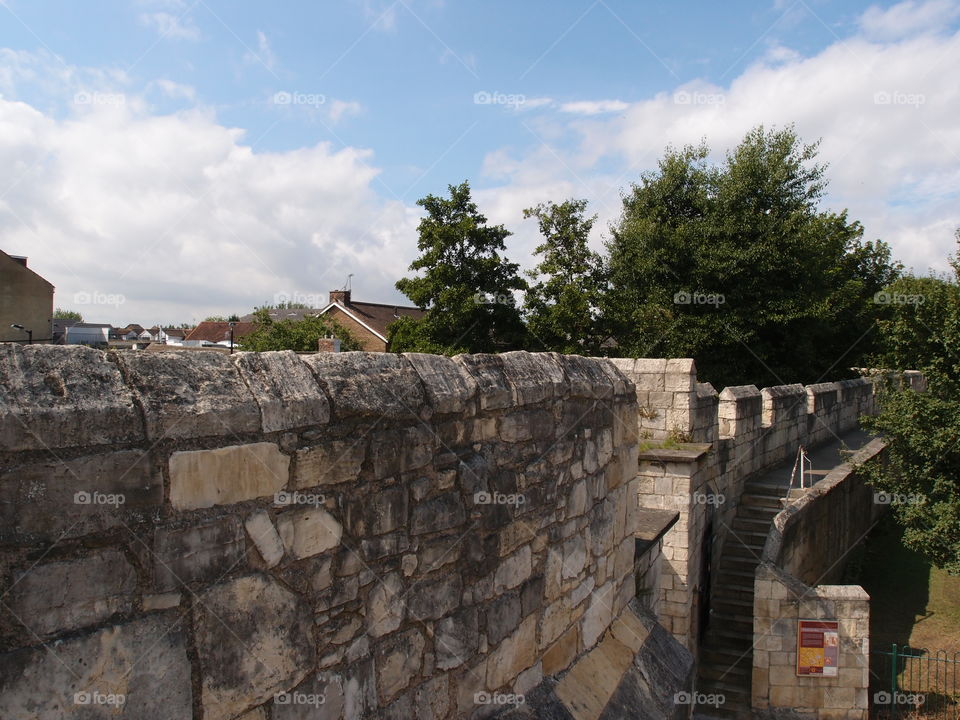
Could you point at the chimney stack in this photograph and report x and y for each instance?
(340, 296)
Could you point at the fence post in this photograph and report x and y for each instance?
(893, 681)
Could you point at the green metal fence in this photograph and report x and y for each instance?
(911, 683)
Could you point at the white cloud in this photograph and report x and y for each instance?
(264, 53)
(886, 112)
(594, 107)
(171, 26)
(177, 90)
(343, 108)
(181, 217)
(908, 18)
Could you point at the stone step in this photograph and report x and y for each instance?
(731, 593)
(739, 562)
(758, 512)
(750, 499)
(727, 577)
(732, 606)
(739, 552)
(750, 523)
(732, 639)
(739, 622)
(719, 673)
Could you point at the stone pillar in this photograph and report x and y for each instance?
(780, 601)
(676, 479)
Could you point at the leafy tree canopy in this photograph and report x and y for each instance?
(61, 314)
(301, 335)
(920, 330)
(735, 265)
(466, 285)
(562, 306)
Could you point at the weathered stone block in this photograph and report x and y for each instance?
(254, 639)
(198, 553)
(72, 594)
(55, 396)
(562, 653)
(574, 557)
(63, 499)
(434, 596)
(398, 660)
(264, 537)
(599, 614)
(222, 476)
(309, 531)
(514, 570)
(386, 511)
(335, 461)
(455, 638)
(503, 617)
(371, 385)
(448, 386)
(144, 660)
(396, 451)
(441, 513)
(284, 388)
(533, 377)
(488, 374)
(188, 395)
(386, 608)
(319, 697)
(514, 655)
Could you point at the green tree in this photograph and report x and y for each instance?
(215, 318)
(562, 306)
(302, 335)
(736, 266)
(921, 331)
(466, 285)
(61, 314)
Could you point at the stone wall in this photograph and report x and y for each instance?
(678, 479)
(699, 447)
(780, 602)
(200, 535)
(806, 550)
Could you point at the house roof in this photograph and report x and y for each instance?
(376, 316)
(90, 325)
(215, 332)
(132, 326)
(175, 332)
(21, 261)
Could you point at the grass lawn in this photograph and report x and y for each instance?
(911, 602)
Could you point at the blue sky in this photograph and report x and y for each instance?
(186, 158)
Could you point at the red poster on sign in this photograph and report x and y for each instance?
(818, 648)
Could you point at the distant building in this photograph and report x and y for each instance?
(86, 334)
(25, 299)
(367, 321)
(217, 333)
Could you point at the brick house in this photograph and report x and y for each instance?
(217, 333)
(25, 299)
(367, 321)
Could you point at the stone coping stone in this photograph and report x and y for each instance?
(653, 524)
(773, 546)
(190, 395)
(369, 385)
(53, 396)
(685, 452)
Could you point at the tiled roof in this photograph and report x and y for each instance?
(219, 331)
(379, 315)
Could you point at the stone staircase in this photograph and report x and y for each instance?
(726, 654)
